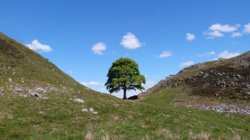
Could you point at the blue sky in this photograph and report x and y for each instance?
(84, 37)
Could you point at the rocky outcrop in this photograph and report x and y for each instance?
(36, 90)
(229, 78)
(222, 108)
(90, 110)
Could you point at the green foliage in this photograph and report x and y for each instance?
(124, 75)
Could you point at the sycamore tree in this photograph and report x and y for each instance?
(124, 75)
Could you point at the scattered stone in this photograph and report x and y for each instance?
(205, 75)
(9, 79)
(219, 74)
(40, 89)
(91, 109)
(23, 95)
(78, 100)
(222, 108)
(35, 94)
(238, 76)
(19, 89)
(85, 110)
(22, 80)
(45, 98)
(41, 112)
(95, 112)
(116, 118)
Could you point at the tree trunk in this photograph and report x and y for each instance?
(124, 94)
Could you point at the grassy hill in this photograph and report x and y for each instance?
(64, 109)
(224, 78)
(23, 66)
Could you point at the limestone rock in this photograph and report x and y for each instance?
(78, 100)
(84, 110)
(35, 94)
(91, 109)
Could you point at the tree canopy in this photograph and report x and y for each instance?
(124, 75)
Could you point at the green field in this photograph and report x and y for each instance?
(154, 117)
(59, 116)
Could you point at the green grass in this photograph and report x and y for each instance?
(153, 117)
(20, 63)
(216, 124)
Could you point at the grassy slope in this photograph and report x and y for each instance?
(18, 62)
(58, 117)
(211, 85)
(223, 63)
(154, 117)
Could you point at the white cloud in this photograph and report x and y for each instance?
(247, 28)
(186, 64)
(226, 54)
(223, 28)
(165, 54)
(207, 54)
(130, 41)
(190, 37)
(236, 34)
(91, 83)
(213, 34)
(99, 48)
(217, 30)
(37, 46)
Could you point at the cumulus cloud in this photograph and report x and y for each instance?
(165, 54)
(99, 48)
(236, 34)
(186, 64)
(206, 54)
(213, 34)
(91, 83)
(190, 37)
(247, 28)
(218, 30)
(224, 28)
(130, 41)
(226, 54)
(39, 47)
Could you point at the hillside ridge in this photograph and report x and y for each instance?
(23, 71)
(223, 78)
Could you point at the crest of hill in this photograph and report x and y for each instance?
(22, 67)
(223, 78)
